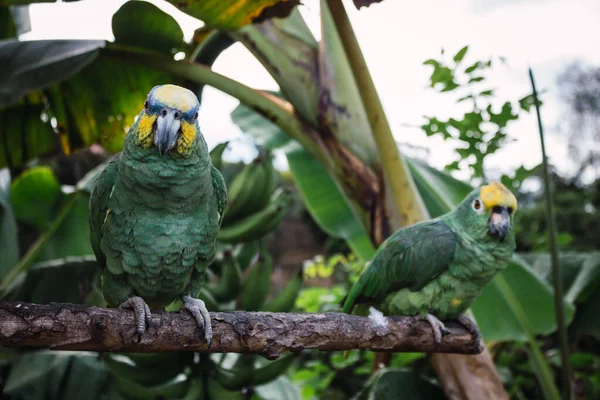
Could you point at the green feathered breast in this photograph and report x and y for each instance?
(154, 222)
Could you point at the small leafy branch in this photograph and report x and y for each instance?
(481, 130)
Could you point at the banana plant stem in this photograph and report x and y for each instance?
(407, 205)
(556, 272)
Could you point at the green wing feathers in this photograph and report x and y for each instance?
(220, 191)
(410, 258)
(98, 206)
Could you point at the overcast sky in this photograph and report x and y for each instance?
(396, 37)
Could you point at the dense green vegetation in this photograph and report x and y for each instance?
(64, 111)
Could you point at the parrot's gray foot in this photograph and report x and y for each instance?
(471, 327)
(198, 310)
(142, 313)
(439, 329)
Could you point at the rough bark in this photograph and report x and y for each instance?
(79, 327)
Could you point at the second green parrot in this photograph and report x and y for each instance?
(437, 268)
(156, 209)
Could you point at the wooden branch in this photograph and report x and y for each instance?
(79, 327)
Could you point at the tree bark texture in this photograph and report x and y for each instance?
(79, 327)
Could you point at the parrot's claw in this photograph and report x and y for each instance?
(438, 327)
(471, 327)
(198, 310)
(142, 313)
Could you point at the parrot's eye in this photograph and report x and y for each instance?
(146, 105)
(477, 206)
(195, 116)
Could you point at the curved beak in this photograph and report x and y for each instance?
(499, 222)
(167, 130)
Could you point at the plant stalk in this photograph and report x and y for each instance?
(32, 253)
(556, 272)
(407, 205)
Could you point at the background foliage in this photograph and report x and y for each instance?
(65, 106)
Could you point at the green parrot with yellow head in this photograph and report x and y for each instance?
(437, 268)
(156, 209)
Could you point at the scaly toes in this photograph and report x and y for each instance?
(198, 310)
(142, 313)
(439, 329)
(470, 326)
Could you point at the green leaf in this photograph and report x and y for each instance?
(534, 296)
(23, 134)
(476, 79)
(461, 54)
(34, 195)
(288, 50)
(143, 25)
(9, 243)
(323, 199)
(233, 14)
(580, 272)
(72, 236)
(67, 280)
(586, 319)
(399, 384)
(38, 64)
(281, 388)
(341, 111)
(51, 375)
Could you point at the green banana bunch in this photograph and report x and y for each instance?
(244, 372)
(251, 189)
(245, 253)
(260, 223)
(286, 298)
(231, 279)
(255, 288)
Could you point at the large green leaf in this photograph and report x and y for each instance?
(23, 134)
(288, 50)
(51, 375)
(534, 297)
(67, 280)
(34, 196)
(143, 25)
(94, 102)
(323, 199)
(580, 272)
(439, 190)
(72, 236)
(38, 64)
(9, 244)
(233, 14)
(340, 109)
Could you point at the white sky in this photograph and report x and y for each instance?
(396, 37)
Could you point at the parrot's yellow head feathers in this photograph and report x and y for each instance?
(169, 120)
(497, 195)
(487, 212)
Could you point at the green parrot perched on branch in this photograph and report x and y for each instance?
(437, 268)
(156, 209)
